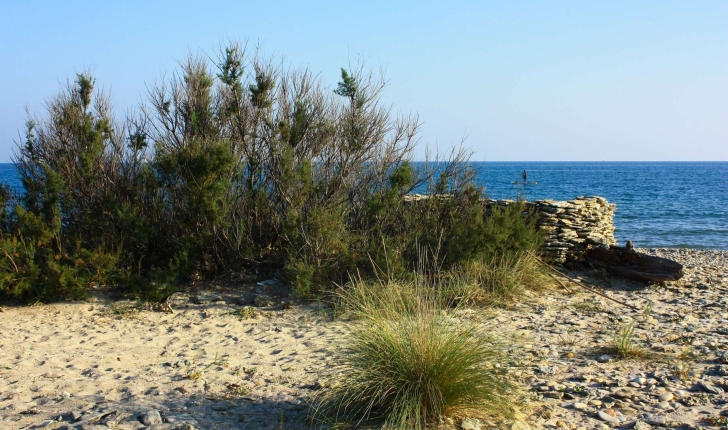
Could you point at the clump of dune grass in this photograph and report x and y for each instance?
(623, 338)
(410, 362)
(498, 279)
(624, 345)
(623, 342)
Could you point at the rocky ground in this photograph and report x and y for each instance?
(679, 379)
(232, 359)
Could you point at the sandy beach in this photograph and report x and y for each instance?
(221, 362)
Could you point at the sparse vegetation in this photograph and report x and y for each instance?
(588, 306)
(238, 389)
(624, 344)
(411, 362)
(121, 309)
(681, 369)
(717, 420)
(194, 375)
(499, 278)
(244, 313)
(623, 338)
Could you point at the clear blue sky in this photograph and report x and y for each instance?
(523, 80)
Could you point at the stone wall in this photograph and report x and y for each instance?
(572, 227)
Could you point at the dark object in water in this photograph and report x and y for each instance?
(524, 183)
(626, 262)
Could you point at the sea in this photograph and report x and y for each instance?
(659, 204)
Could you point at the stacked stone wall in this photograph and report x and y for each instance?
(572, 227)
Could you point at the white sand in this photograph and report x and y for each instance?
(59, 358)
(110, 369)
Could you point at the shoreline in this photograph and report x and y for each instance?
(103, 363)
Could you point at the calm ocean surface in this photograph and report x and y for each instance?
(674, 204)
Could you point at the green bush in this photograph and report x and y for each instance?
(236, 165)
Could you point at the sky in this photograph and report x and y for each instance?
(516, 80)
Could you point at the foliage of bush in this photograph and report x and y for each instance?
(237, 165)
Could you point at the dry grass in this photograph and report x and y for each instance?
(623, 338)
(410, 362)
(624, 343)
(499, 280)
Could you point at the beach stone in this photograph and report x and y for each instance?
(89, 418)
(627, 411)
(604, 358)
(580, 406)
(111, 419)
(720, 370)
(622, 393)
(605, 416)
(710, 388)
(76, 415)
(207, 298)
(470, 424)
(151, 417)
(180, 419)
(654, 419)
(263, 301)
(641, 425)
(667, 397)
(245, 299)
(222, 406)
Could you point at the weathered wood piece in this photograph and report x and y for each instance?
(626, 262)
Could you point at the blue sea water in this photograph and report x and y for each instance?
(9, 176)
(659, 204)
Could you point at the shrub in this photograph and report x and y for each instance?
(500, 278)
(409, 362)
(239, 165)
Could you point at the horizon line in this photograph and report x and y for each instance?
(553, 161)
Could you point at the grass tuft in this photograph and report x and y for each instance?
(499, 279)
(244, 313)
(410, 362)
(122, 309)
(623, 338)
(589, 306)
(624, 343)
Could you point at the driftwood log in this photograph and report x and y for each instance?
(626, 262)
